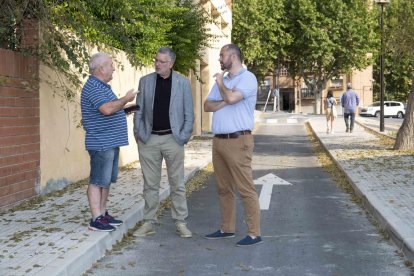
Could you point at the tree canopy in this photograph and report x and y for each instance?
(399, 53)
(315, 39)
(399, 56)
(259, 29)
(329, 37)
(137, 27)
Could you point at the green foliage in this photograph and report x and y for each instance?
(398, 75)
(399, 38)
(399, 50)
(400, 27)
(137, 27)
(189, 34)
(330, 37)
(314, 39)
(11, 17)
(259, 30)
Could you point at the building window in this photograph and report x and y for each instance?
(337, 83)
(306, 93)
(283, 72)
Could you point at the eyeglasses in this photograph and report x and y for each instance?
(161, 61)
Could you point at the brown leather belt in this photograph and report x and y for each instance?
(161, 132)
(233, 135)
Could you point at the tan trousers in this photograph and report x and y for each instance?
(232, 161)
(150, 157)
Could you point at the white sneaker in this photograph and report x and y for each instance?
(182, 230)
(146, 229)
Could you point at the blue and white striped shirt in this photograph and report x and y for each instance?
(102, 132)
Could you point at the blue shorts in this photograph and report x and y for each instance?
(104, 167)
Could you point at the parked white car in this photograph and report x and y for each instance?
(391, 109)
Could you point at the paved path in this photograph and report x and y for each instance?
(52, 238)
(310, 227)
(391, 125)
(382, 177)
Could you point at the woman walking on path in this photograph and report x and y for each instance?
(330, 111)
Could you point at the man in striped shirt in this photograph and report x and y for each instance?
(106, 130)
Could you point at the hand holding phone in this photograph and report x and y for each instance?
(131, 108)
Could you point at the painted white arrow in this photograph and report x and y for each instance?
(268, 181)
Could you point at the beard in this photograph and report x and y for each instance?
(226, 66)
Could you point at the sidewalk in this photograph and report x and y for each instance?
(52, 238)
(381, 177)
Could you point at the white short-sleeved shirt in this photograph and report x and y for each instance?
(238, 116)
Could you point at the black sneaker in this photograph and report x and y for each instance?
(111, 220)
(100, 224)
(219, 235)
(249, 241)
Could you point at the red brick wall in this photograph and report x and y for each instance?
(19, 128)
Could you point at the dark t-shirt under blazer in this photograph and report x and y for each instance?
(181, 113)
(161, 118)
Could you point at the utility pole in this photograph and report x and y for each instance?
(382, 3)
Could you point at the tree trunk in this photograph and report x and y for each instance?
(405, 136)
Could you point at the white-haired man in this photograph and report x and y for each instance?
(106, 130)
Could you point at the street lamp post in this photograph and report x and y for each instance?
(276, 93)
(382, 3)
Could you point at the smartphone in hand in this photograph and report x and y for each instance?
(131, 108)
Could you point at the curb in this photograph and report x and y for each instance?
(82, 258)
(405, 245)
(374, 130)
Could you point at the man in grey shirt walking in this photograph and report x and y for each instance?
(349, 101)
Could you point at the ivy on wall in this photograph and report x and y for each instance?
(137, 27)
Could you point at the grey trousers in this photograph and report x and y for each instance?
(346, 118)
(151, 154)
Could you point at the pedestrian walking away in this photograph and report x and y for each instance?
(276, 95)
(349, 101)
(330, 111)
(106, 130)
(162, 127)
(232, 100)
